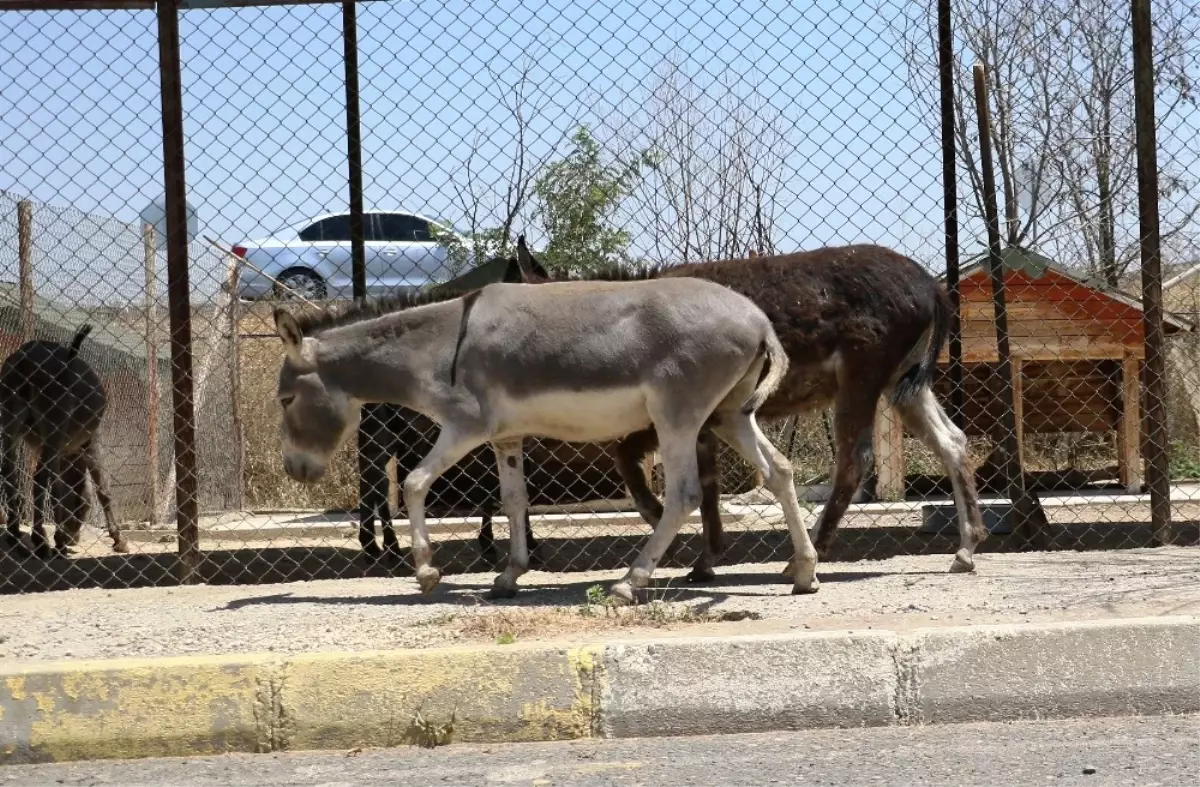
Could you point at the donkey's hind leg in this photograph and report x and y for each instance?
(926, 419)
(510, 462)
(710, 508)
(741, 432)
(45, 483)
(853, 427)
(630, 451)
(92, 460)
(11, 488)
(683, 497)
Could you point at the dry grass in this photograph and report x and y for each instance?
(505, 626)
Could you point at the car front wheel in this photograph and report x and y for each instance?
(299, 283)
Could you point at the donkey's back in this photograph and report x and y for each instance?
(584, 330)
(46, 388)
(840, 312)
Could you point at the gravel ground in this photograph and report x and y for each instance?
(363, 614)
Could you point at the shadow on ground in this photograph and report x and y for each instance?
(246, 566)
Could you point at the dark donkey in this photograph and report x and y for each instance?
(857, 322)
(54, 401)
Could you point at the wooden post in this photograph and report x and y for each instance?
(1129, 430)
(25, 265)
(393, 482)
(149, 258)
(1018, 389)
(889, 452)
(1158, 472)
(235, 393)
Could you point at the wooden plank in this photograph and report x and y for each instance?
(1130, 432)
(1019, 411)
(977, 350)
(889, 452)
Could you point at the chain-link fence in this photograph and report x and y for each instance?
(610, 134)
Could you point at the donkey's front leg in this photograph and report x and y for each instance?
(682, 498)
(515, 498)
(452, 444)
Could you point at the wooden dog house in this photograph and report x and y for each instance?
(1077, 354)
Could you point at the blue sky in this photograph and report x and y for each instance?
(264, 113)
(265, 119)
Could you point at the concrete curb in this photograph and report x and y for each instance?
(672, 686)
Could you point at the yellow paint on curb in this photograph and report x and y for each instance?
(130, 708)
(494, 694)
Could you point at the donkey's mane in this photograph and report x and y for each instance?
(368, 309)
(359, 311)
(615, 272)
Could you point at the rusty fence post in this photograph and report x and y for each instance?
(1158, 477)
(149, 254)
(235, 393)
(25, 267)
(178, 295)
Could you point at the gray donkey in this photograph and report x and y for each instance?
(53, 401)
(585, 361)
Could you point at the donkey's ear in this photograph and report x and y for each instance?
(288, 330)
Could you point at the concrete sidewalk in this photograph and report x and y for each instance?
(640, 687)
(346, 663)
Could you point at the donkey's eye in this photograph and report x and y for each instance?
(286, 400)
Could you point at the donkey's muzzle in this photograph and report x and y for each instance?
(303, 468)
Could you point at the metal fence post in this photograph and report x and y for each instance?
(1028, 518)
(950, 206)
(178, 295)
(148, 251)
(358, 249)
(1157, 470)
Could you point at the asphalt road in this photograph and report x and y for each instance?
(1145, 752)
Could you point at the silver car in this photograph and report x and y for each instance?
(314, 258)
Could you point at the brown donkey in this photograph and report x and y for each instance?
(857, 322)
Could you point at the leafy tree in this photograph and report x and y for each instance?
(576, 200)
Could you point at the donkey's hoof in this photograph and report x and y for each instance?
(962, 565)
(501, 591)
(121, 547)
(428, 578)
(806, 590)
(700, 574)
(44, 552)
(371, 552)
(621, 594)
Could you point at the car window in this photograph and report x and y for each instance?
(334, 228)
(372, 228)
(403, 227)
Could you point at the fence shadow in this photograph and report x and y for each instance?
(270, 565)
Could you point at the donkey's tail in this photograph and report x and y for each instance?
(80, 335)
(920, 376)
(777, 366)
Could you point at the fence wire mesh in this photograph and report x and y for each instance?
(609, 133)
